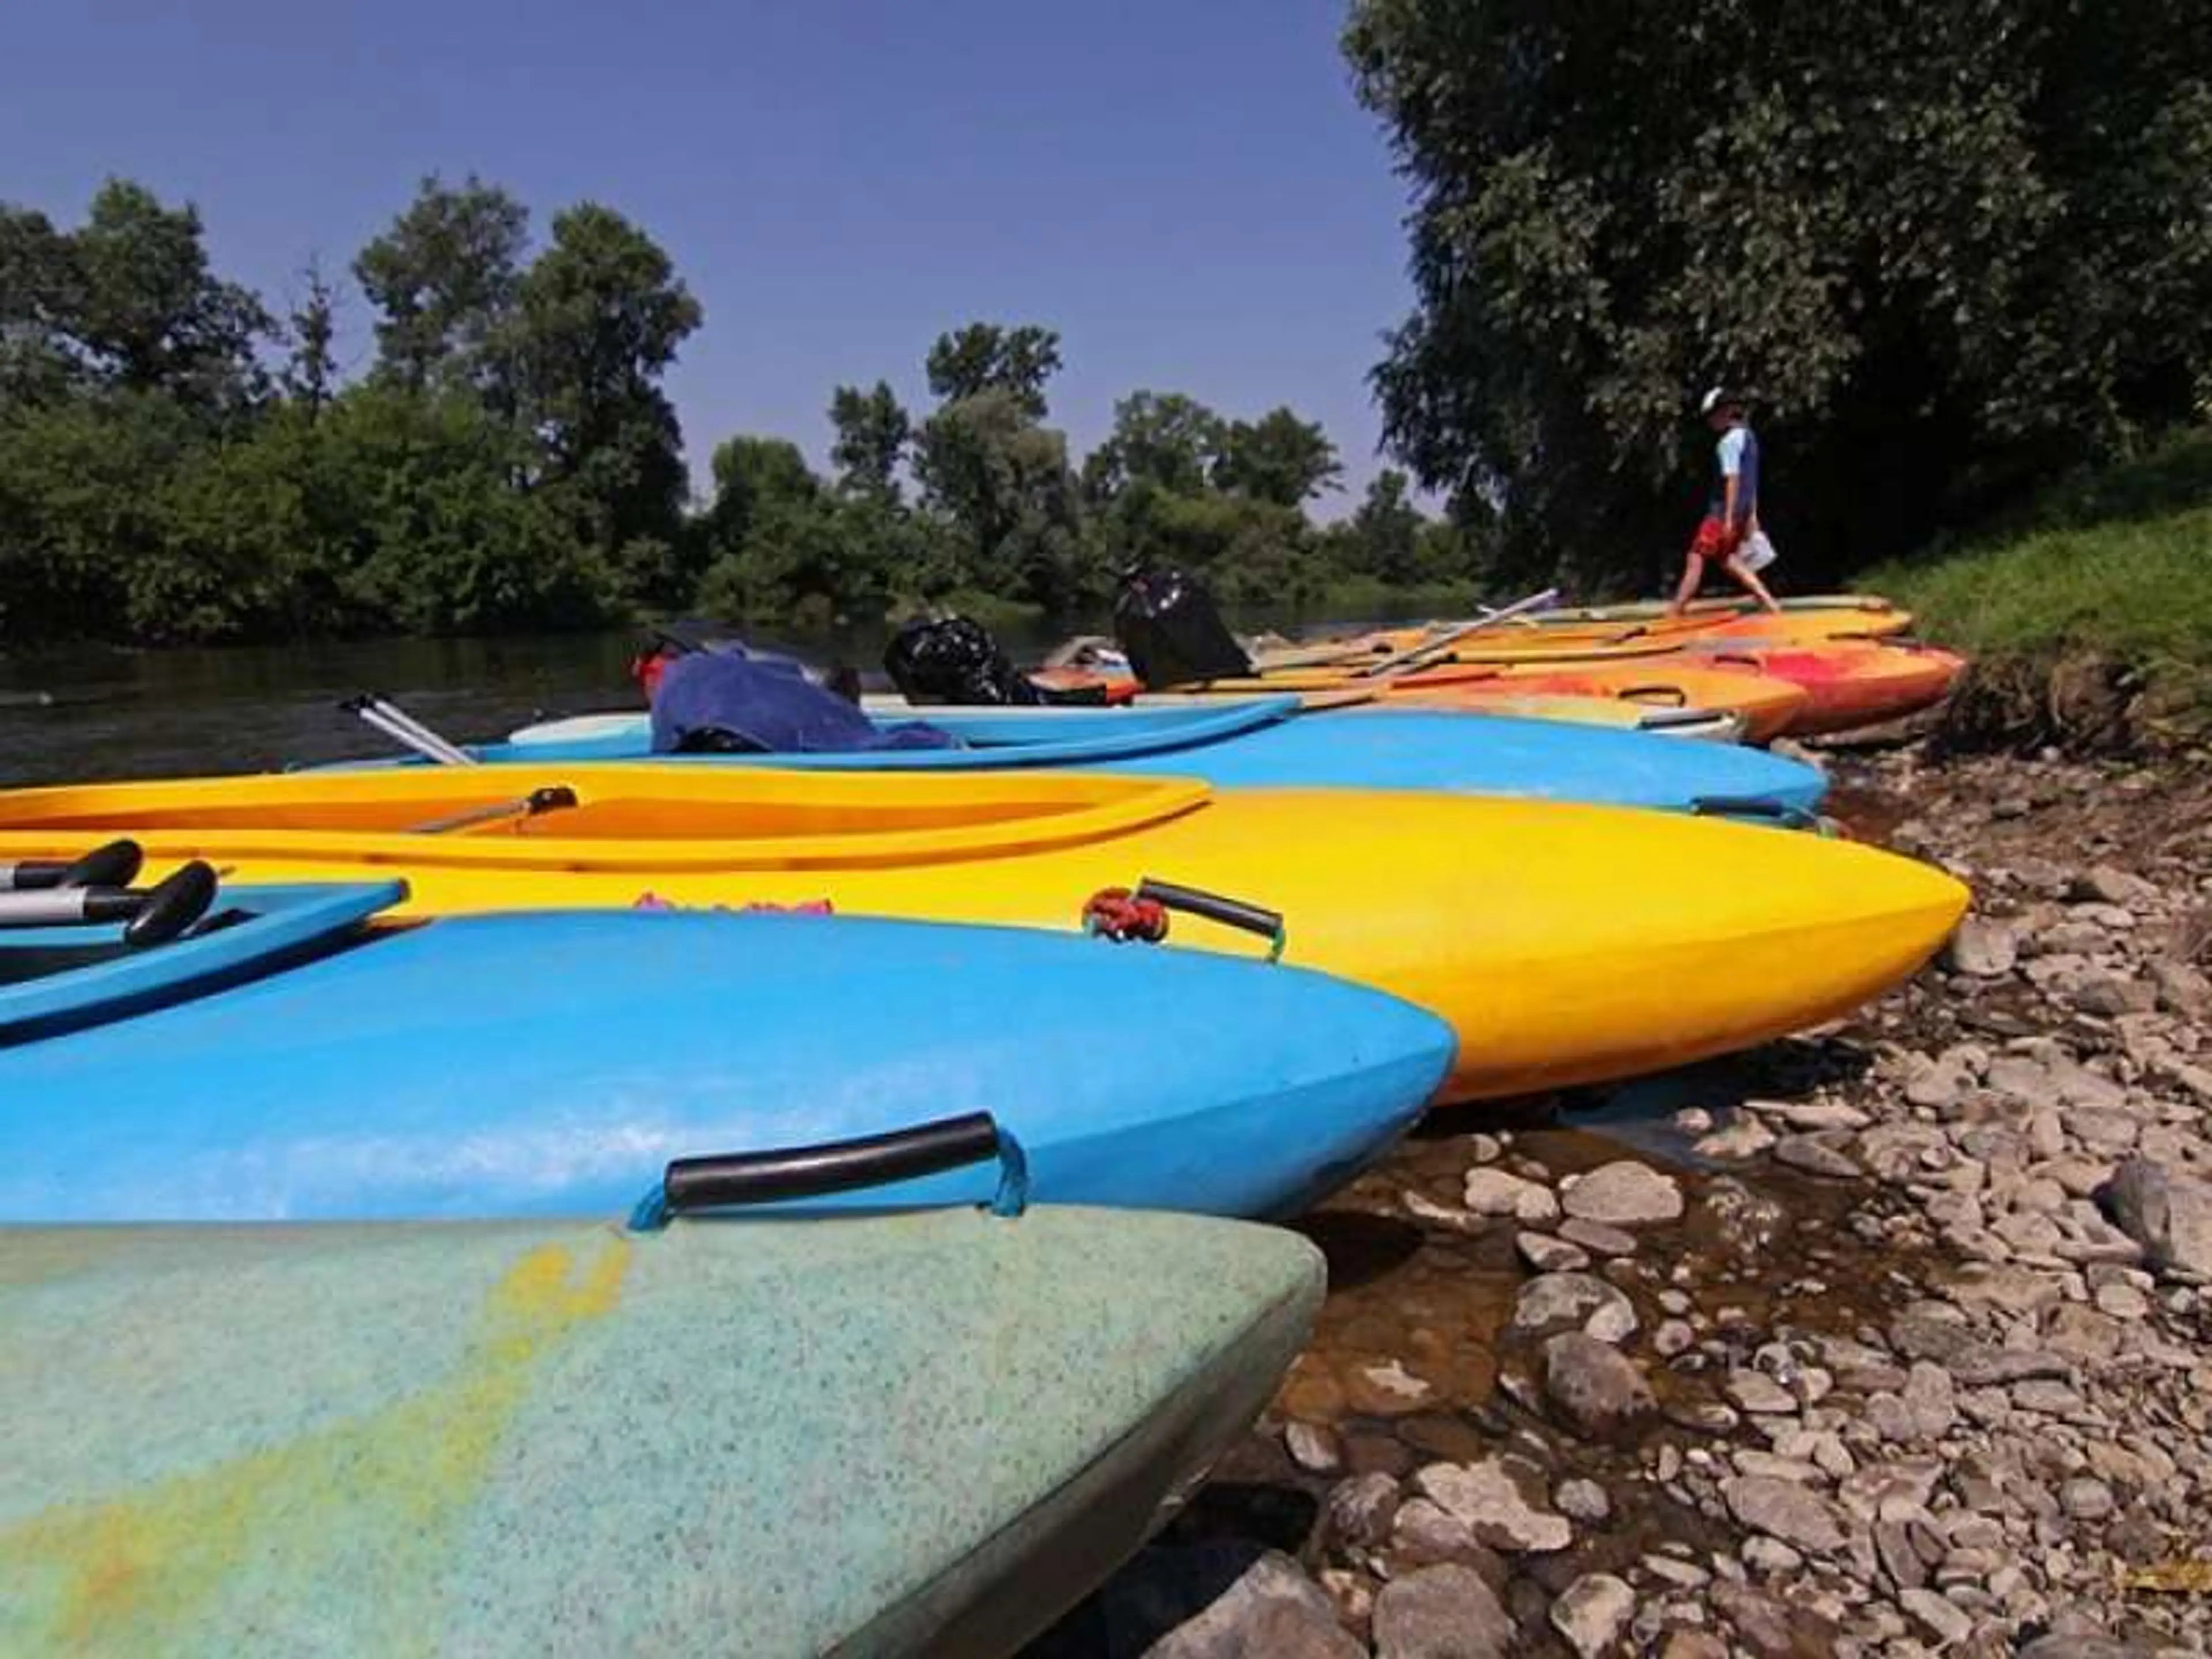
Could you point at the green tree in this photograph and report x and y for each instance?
(598, 317)
(988, 357)
(446, 277)
(310, 377)
(1277, 458)
(1945, 248)
(1386, 531)
(985, 462)
(872, 432)
(1162, 438)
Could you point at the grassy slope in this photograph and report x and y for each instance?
(2117, 564)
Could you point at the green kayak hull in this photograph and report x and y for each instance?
(931, 1432)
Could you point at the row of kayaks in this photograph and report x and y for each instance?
(580, 1198)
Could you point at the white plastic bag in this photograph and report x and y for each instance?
(1757, 552)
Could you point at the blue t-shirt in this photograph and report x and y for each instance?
(1738, 454)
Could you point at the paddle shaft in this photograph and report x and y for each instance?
(406, 730)
(1413, 656)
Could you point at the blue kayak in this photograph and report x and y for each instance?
(1266, 742)
(286, 1058)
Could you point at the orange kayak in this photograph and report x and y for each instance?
(1848, 685)
(1533, 636)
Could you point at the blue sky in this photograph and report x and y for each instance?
(1187, 191)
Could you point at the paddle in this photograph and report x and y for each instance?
(150, 916)
(112, 865)
(1333, 656)
(405, 729)
(1414, 656)
(550, 798)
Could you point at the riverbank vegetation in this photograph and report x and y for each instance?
(2088, 610)
(179, 462)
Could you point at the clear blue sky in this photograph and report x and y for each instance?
(1185, 189)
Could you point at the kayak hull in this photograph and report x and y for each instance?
(1411, 749)
(1849, 687)
(928, 1433)
(1563, 943)
(554, 1064)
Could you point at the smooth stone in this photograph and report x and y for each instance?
(1582, 1500)
(1552, 1300)
(1981, 947)
(1814, 1156)
(1492, 1192)
(1598, 1238)
(1594, 1387)
(1549, 1255)
(1594, 1614)
(2086, 1500)
(1387, 1390)
(1361, 1510)
(1936, 1615)
(1782, 1510)
(1488, 1498)
(1444, 1612)
(1624, 1194)
(2169, 1215)
(1745, 1138)
(1757, 1392)
(1271, 1608)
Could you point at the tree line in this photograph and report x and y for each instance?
(179, 463)
(1948, 250)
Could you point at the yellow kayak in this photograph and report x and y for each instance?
(1520, 638)
(1565, 944)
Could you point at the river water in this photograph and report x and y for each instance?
(97, 712)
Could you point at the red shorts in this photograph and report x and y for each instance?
(1713, 541)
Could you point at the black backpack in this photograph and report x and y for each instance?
(955, 660)
(1170, 632)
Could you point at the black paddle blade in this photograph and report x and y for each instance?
(172, 906)
(115, 865)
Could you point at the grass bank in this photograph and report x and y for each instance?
(2089, 612)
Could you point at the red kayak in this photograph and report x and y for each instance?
(1849, 685)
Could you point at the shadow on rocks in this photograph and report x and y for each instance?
(1361, 1247)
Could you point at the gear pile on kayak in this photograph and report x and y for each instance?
(434, 1183)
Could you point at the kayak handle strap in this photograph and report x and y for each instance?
(1121, 914)
(1754, 806)
(1672, 695)
(839, 1166)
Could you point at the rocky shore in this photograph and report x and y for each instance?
(1894, 1339)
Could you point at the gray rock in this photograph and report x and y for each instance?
(1816, 1155)
(1598, 1238)
(1594, 1614)
(1981, 948)
(1981, 1365)
(1423, 1533)
(1313, 1448)
(1361, 1510)
(1489, 1497)
(1693, 1644)
(1757, 1392)
(1547, 1254)
(2169, 1215)
(2082, 1647)
(2110, 995)
(1273, 1611)
(1938, 1616)
(1801, 1519)
(1552, 1302)
(2105, 885)
(2181, 989)
(1594, 1390)
(2086, 1500)
(1624, 1194)
(1935, 1086)
(1493, 1192)
(1441, 1613)
(1930, 1399)
(1745, 1138)
(1674, 1337)
(1582, 1500)
(1770, 1557)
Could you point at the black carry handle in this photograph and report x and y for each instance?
(152, 916)
(1752, 806)
(1215, 907)
(115, 865)
(1639, 693)
(841, 1166)
(551, 799)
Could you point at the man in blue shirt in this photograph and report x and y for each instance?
(1732, 511)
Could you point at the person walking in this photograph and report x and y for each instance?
(1731, 518)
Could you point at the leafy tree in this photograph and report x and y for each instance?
(1386, 531)
(447, 276)
(1162, 438)
(310, 371)
(1943, 247)
(1003, 479)
(986, 357)
(598, 317)
(872, 430)
(1279, 459)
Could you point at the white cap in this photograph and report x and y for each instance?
(1713, 399)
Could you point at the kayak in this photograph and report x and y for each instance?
(1661, 678)
(1580, 631)
(932, 1432)
(284, 1060)
(1268, 743)
(1860, 685)
(1564, 942)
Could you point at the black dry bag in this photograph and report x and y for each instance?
(1172, 634)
